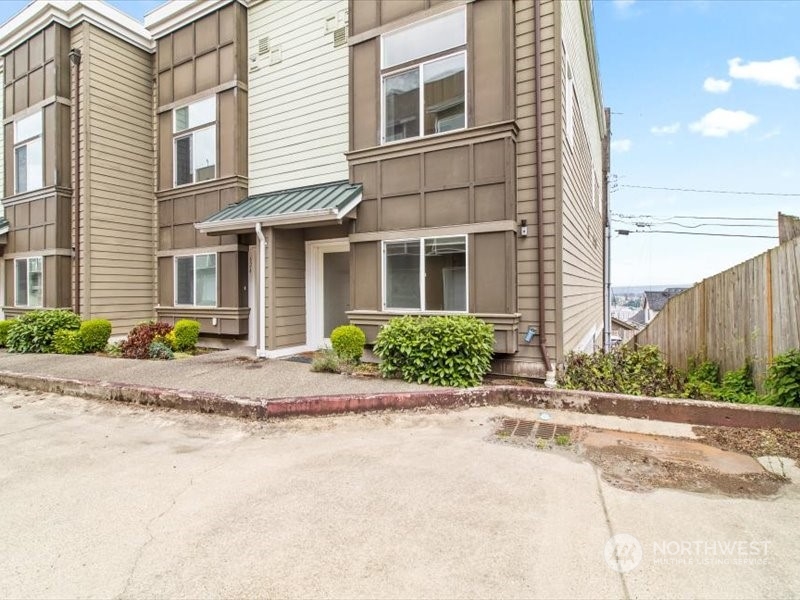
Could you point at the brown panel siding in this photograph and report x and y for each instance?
(287, 289)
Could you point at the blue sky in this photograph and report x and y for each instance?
(687, 114)
(690, 115)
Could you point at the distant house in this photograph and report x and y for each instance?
(623, 331)
(638, 318)
(655, 301)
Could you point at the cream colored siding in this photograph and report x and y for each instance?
(527, 269)
(582, 221)
(297, 113)
(118, 203)
(286, 289)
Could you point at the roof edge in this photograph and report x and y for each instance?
(175, 14)
(38, 15)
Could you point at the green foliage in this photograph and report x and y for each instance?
(348, 342)
(184, 336)
(95, 334)
(68, 341)
(624, 370)
(738, 386)
(137, 344)
(326, 361)
(34, 331)
(783, 379)
(160, 351)
(702, 381)
(447, 350)
(114, 350)
(4, 327)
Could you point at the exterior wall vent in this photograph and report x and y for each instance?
(275, 55)
(340, 37)
(263, 46)
(330, 25)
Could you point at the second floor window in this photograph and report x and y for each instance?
(28, 153)
(423, 70)
(195, 141)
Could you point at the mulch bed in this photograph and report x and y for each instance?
(755, 442)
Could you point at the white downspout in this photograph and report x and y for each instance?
(261, 349)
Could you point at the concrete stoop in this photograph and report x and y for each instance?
(696, 412)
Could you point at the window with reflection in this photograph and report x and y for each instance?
(195, 141)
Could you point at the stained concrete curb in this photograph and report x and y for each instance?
(695, 412)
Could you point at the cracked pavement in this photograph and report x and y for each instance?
(105, 500)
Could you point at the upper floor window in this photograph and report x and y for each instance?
(28, 282)
(196, 280)
(28, 153)
(195, 141)
(423, 69)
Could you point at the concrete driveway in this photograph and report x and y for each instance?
(100, 500)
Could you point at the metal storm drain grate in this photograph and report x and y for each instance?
(533, 430)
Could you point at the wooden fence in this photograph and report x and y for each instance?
(751, 311)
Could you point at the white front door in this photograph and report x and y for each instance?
(327, 288)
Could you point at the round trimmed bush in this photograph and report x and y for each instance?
(4, 327)
(68, 341)
(451, 350)
(184, 335)
(348, 342)
(160, 351)
(95, 334)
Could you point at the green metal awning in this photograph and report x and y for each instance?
(325, 202)
(4, 227)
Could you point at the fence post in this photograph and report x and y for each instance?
(770, 332)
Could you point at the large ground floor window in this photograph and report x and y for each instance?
(425, 274)
(196, 280)
(28, 282)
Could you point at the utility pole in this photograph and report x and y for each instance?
(607, 244)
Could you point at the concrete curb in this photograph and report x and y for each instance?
(696, 412)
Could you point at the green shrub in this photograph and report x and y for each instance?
(702, 381)
(4, 327)
(348, 342)
(160, 351)
(738, 386)
(186, 334)
(137, 344)
(68, 341)
(625, 370)
(783, 379)
(34, 331)
(95, 334)
(326, 361)
(446, 350)
(114, 350)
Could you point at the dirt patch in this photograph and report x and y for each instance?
(636, 470)
(755, 442)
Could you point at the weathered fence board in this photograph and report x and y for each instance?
(749, 312)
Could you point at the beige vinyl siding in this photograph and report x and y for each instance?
(286, 289)
(297, 111)
(527, 248)
(582, 221)
(119, 203)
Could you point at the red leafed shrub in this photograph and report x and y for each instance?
(137, 344)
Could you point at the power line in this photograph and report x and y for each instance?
(734, 235)
(698, 218)
(696, 226)
(699, 191)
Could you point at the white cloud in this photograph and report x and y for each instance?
(716, 86)
(720, 122)
(623, 145)
(665, 129)
(783, 72)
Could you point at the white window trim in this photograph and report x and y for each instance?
(420, 22)
(194, 280)
(423, 309)
(25, 142)
(420, 66)
(27, 282)
(189, 132)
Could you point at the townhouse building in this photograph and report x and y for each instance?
(274, 168)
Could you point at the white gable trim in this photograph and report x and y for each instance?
(69, 13)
